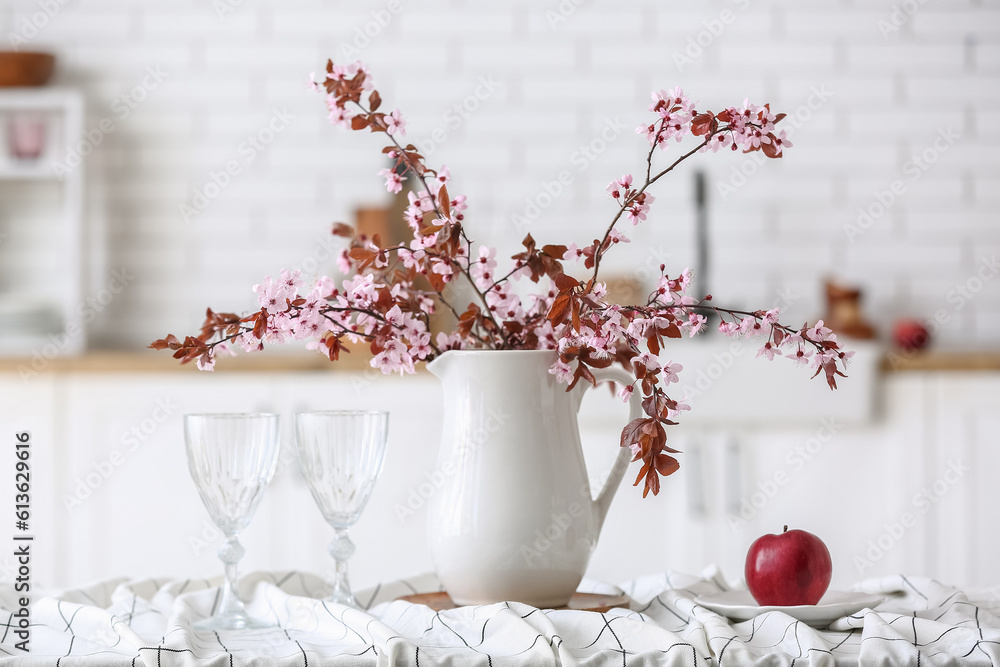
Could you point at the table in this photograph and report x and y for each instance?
(148, 622)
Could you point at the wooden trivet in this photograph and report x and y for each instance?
(579, 602)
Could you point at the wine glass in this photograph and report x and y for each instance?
(232, 459)
(341, 454)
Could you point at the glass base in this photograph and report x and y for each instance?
(232, 622)
(339, 597)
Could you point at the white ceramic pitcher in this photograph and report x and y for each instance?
(514, 518)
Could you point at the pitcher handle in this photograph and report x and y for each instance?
(604, 498)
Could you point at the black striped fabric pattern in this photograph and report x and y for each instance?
(134, 622)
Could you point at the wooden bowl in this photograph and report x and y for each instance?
(23, 68)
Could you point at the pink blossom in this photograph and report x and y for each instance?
(361, 289)
(394, 357)
(819, 332)
(395, 123)
(620, 186)
(562, 371)
(695, 322)
(637, 213)
(792, 340)
(625, 393)
(572, 253)
(482, 269)
(617, 237)
(680, 407)
(339, 116)
(443, 176)
(428, 241)
(421, 347)
(249, 343)
(451, 341)
(729, 328)
(768, 351)
(648, 360)
(720, 140)
(670, 371)
(442, 268)
(751, 326)
(393, 181)
(394, 316)
(273, 295)
(206, 362)
(344, 260)
(781, 141)
(801, 355)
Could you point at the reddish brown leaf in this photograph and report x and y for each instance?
(559, 307)
(445, 201)
(702, 124)
(630, 433)
(583, 372)
(362, 254)
(169, 342)
(260, 326)
(556, 251)
(566, 283)
(340, 229)
(771, 149)
(666, 465)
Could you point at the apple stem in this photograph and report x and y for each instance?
(785, 529)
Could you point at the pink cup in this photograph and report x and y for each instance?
(26, 137)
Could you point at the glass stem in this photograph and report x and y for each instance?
(341, 548)
(230, 553)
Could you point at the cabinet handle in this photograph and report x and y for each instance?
(695, 478)
(731, 474)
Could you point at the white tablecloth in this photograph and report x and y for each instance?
(148, 622)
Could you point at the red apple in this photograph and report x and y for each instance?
(910, 335)
(792, 568)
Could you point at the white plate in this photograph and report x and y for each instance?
(740, 606)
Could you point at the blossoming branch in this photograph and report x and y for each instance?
(392, 290)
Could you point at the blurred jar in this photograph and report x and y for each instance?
(26, 136)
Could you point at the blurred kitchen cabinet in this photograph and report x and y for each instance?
(851, 484)
(43, 312)
(908, 492)
(959, 489)
(912, 492)
(33, 406)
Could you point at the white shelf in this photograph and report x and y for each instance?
(38, 99)
(62, 111)
(35, 170)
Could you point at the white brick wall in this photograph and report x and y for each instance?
(560, 81)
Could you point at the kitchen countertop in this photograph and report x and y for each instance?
(152, 361)
(155, 362)
(983, 360)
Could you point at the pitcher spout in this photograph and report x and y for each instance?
(438, 366)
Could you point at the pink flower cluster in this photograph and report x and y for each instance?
(393, 289)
